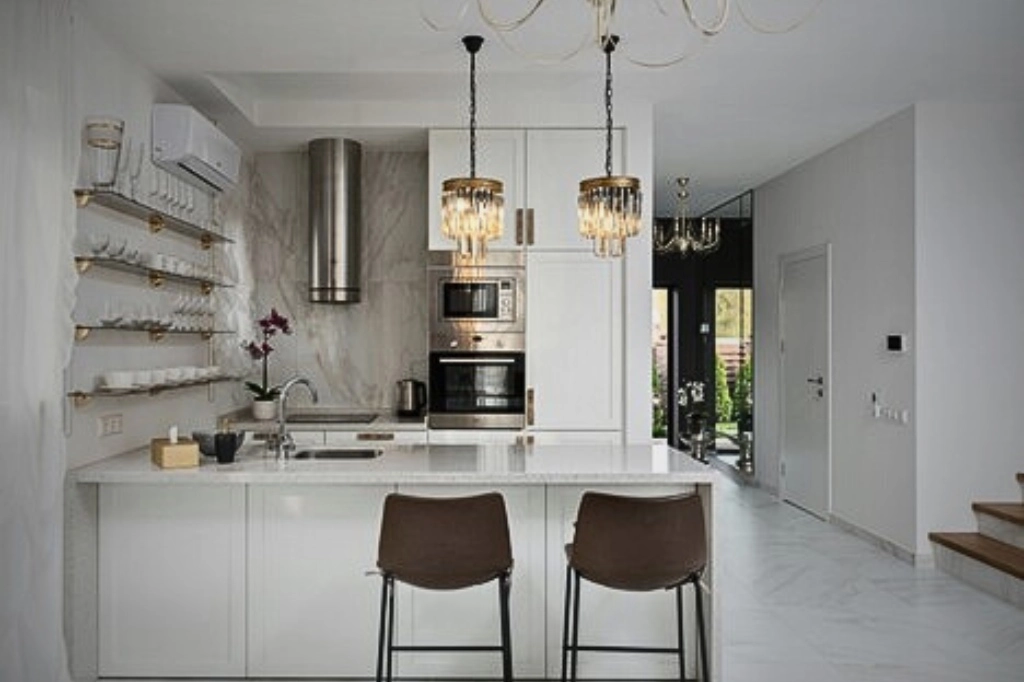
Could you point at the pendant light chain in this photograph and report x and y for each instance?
(472, 113)
(609, 47)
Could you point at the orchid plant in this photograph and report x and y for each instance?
(261, 349)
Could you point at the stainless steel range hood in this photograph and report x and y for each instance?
(335, 220)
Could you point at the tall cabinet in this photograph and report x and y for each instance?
(574, 307)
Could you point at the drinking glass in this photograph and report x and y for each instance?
(102, 149)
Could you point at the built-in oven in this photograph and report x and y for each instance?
(475, 299)
(477, 390)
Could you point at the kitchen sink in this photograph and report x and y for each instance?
(330, 417)
(338, 453)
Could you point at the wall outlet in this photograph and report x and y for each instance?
(109, 425)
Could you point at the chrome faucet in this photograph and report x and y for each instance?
(284, 445)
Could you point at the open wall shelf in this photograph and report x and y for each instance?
(155, 218)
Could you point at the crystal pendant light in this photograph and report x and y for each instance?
(700, 236)
(609, 205)
(472, 209)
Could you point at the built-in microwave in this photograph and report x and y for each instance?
(472, 300)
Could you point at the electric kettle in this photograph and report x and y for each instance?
(411, 398)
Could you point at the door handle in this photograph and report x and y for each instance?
(529, 226)
(820, 381)
(529, 407)
(519, 226)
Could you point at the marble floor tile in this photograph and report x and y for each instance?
(805, 600)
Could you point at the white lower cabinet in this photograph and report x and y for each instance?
(471, 616)
(198, 581)
(611, 617)
(313, 610)
(171, 581)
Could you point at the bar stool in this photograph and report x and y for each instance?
(443, 544)
(637, 544)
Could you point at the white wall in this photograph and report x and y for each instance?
(353, 353)
(110, 82)
(970, 278)
(859, 197)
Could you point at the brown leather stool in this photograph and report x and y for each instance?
(443, 544)
(636, 544)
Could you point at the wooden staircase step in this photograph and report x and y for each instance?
(1011, 512)
(998, 555)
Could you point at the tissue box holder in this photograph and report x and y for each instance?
(181, 455)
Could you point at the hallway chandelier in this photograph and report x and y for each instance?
(683, 236)
(705, 18)
(472, 208)
(609, 205)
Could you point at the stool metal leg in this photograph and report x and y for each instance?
(504, 587)
(565, 620)
(575, 623)
(679, 633)
(701, 637)
(382, 629)
(391, 624)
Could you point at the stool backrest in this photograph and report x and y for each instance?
(444, 543)
(639, 543)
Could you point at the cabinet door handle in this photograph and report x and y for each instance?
(529, 226)
(519, 226)
(380, 435)
(529, 406)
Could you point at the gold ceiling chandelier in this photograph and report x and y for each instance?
(609, 205)
(682, 235)
(472, 209)
(704, 18)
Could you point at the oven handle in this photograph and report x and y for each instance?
(476, 361)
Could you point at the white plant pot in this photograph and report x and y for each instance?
(263, 410)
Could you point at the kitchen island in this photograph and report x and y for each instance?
(263, 568)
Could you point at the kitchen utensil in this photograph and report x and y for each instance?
(226, 444)
(411, 398)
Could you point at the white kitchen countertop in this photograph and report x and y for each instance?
(425, 464)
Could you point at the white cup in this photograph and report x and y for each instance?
(118, 379)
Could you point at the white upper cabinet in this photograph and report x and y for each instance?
(557, 161)
(501, 155)
(541, 170)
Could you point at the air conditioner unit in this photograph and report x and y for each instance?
(189, 146)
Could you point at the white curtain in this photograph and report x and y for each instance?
(37, 150)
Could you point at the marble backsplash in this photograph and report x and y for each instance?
(354, 353)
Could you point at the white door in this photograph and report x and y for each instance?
(805, 361)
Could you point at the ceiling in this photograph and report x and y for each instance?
(744, 107)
